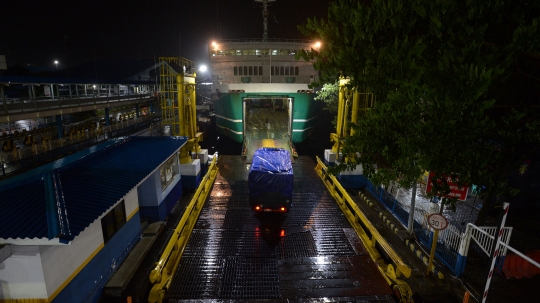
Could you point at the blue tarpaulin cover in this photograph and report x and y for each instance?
(271, 171)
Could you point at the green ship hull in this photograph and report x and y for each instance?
(230, 113)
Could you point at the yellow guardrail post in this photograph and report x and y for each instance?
(163, 272)
(391, 272)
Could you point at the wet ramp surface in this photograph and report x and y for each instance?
(310, 254)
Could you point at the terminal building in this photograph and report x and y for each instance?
(65, 227)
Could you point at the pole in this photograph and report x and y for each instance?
(432, 253)
(495, 248)
(410, 225)
(433, 245)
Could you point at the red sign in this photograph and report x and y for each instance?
(437, 221)
(455, 191)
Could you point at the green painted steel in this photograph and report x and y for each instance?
(228, 113)
(304, 116)
(229, 117)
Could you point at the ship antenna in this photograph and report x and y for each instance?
(265, 17)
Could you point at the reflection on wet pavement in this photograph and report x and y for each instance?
(311, 253)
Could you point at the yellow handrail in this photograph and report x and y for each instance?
(163, 272)
(369, 236)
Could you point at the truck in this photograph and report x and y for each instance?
(270, 180)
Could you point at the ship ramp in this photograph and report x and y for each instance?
(311, 254)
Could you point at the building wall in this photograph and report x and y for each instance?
(73, 270)
(151, 197)
(21, 274)
(131, 203)
(149, 192)
(173, 191)
(88, 284)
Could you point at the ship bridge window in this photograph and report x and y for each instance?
(245, 52)
(258, 52)
(251, 52)
(265, 52)
(220, 53)
(274, 52)
(292, 52)
(238, 52)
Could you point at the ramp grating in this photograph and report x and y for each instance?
(199, 278)
(250, 278)
(308, 255)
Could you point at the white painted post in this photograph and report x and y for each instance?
(410, 225)
(462, 251)
(496, 241)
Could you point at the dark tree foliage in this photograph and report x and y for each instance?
(457, 86)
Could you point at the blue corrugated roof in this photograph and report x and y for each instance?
(65, 200)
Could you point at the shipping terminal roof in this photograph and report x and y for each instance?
(55, 203)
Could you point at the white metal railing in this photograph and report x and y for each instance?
(456, 241)
(452, 237)
(484, 237)
(501, 245)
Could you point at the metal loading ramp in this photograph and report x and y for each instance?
(311, 253)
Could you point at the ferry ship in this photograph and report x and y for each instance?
(261, 90)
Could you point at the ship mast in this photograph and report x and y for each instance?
(265, 17)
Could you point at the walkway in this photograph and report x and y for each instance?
(49, 147)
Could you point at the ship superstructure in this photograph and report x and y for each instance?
(261, 89)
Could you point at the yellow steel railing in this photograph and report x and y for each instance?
(163, 272)
(375, 244)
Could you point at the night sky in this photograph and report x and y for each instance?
(37, 32)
